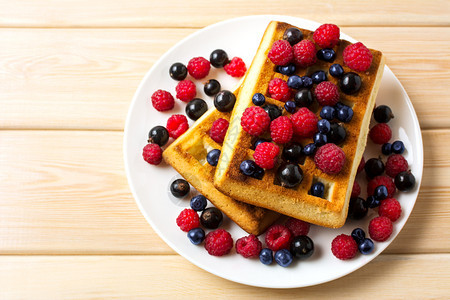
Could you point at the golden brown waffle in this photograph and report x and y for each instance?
(298, 203)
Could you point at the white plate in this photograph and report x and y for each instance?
(149, 184)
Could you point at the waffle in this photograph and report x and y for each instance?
(188, 156)
(330, 211)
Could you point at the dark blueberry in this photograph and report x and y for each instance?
(358, 235)
(320, 139)
(357, 209)
(211, 87)
(290, 106)
(283, 257)
(405, 181)
(290, 175)
(366, 246)
(345, 114)
(259, 173)
(307, 82)
(292, 153)
(327, 55)
(336, 70)
(273, 111)
(328, 113)
(350, 83)
(374, 167)
(293, 35)
(382, 114)
(158, 135)
(211, 218)
(381, 192)
(266, 256)
(302, 247)
(295, 82)
(179, 188)
(258, 99)
(286, 70)
(198, 203)
(372, 202)
(218, 58)
(339, 105)
(317, 189)
(196, 108)
(213, 157)
(309, 149)
(324, 126)
(303, 98)
(386, 149)
(319, 76)
(260, 141)
(224, 101)
(398, 147)
(196, 235)
(178, 71)
(337, 134)
(248, 167)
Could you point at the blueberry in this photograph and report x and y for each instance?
(211, 218)
(196, 235)
(336, 70)
(259, 173)
(295, 82)
(382, 114)
(292, 153)
(290, 175)
(258, 99)
(350, 83)
(198, 203)
(211, 87)
(398, 147)
(328, 113)
(319, 76)
(320, 139)
(405, 181)
(339, 105)
(345, 114)
(358, 235)
(224, 101)
(327, 55)
(248, 167)
(218, 58)
(303, 98)
(196, 108)
(374, 167)
(366, 246)
(317, 189)
(324, 126)
(372, 202)
(292, 35)
(178, 71)
(283, 257)
(260, 141)
(337, 134)
(266, 256)
(213, 157)
(286, 70)
(273, 111)
(309, 149)
(290, 106)
(386, 149)
(307, 82)
(158, 135)
(357, 209)
(381, 192)
(302, 247)
(179, 188)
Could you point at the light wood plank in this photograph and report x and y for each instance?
(166, 277)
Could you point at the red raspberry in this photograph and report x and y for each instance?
(395, 164)
(266, 155)
(344, 247)
(162, 100)
(304, 53)
(361, 165)
(188, 219)
(186, 90)
(218, 242)
(297, 227)
(177, 125)
(380, 229)
(218, 130)
(255, 120)
(330, 159)
(304, 123)
(198, 67)
(248, 246)
(381, 180)
(327, 93)
(356, 191)
(327, 35)
(380, 133)
(152, 154)
(390, 208)
(281, 130)
(278, 237)
(357, 57)
(236, 67)
(279, 90)
(281, 53)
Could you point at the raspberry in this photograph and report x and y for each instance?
(330, 159)
(266, 155)
(186, 90)
(390, 208)
(304, 53)
(218, 242)
(297, 227)
(248, 246)
(218, 130)
(152, 154)
(279, 90)
(357, 57)
(380, 133)
(395, 164)
(188, 219)
(361, 165)
(327, 93)
(255, 120)
(177, 125)
(198, 67)
(381, 180)
(380, 229)
(281, 53)
(327, 35)
(304, 123)
(278, 237)
(162, 100)
(236, 67)
(281, 130)
(356, 191)
(344, 247)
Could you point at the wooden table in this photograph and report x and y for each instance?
(69, 227)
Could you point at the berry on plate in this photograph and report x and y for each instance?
(283, 257)
(198, 67)
(380, 229)
(356, 190)
(188, 219)
(177, 125)
(186, 90)
(178, 71)
(152, 154)
(236, 67)
(218, 242)
(297, 227)
(162, 100)
(381, 180)
(390, 208)
(344, 247)
(218, 58)
(278, 237)
(395, 164)
(380, 133)
(248, 246)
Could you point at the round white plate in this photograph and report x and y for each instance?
(149, 184)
